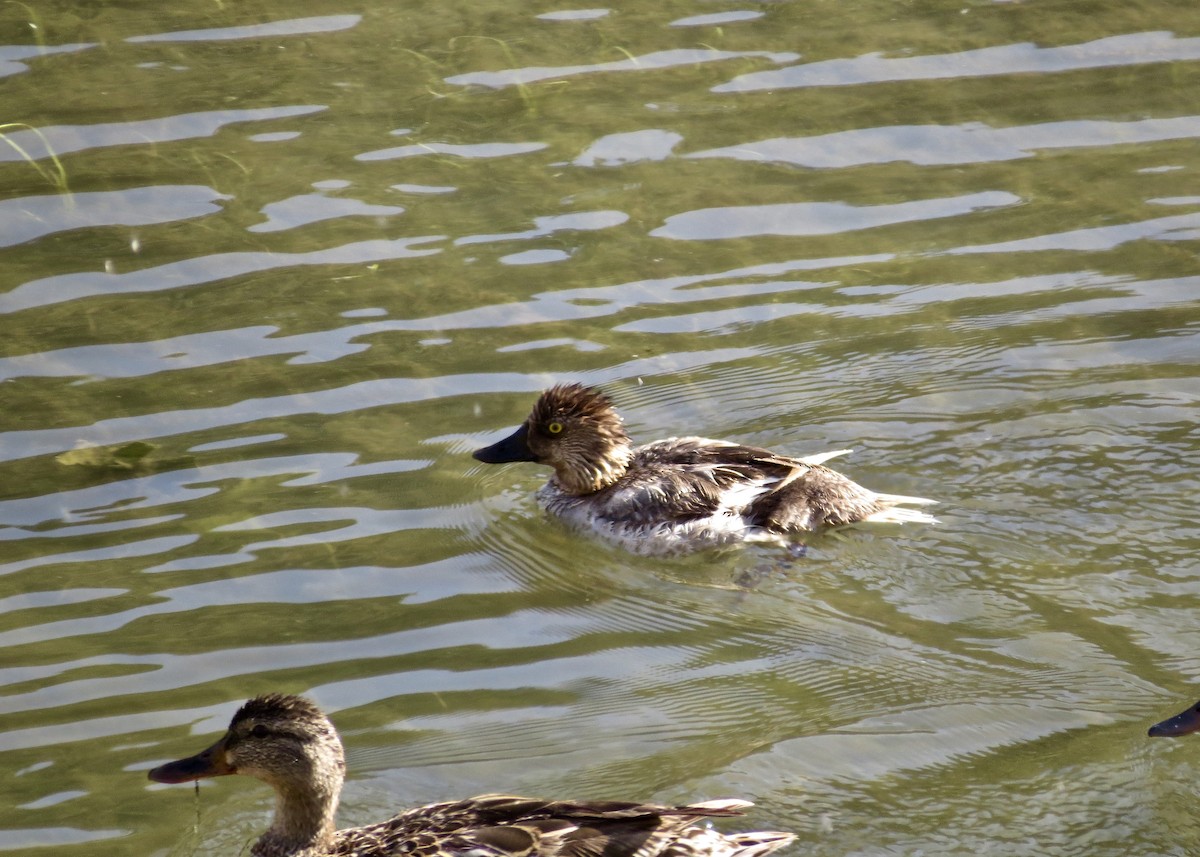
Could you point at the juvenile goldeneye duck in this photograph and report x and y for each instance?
(681, 494)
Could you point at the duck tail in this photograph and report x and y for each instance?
(706, 842)
(894, 513)
(822, 457)
(720, 806)
(759, 843)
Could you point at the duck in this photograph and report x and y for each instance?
(287, 742)
(681, 494)
(1184, 723)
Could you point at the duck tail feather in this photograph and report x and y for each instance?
(822, 457)
(759, 843)
(904, 500)
(897, 514)
(721, 806)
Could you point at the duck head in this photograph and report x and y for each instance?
(573, 429)
(288, 743)
(1183, 723)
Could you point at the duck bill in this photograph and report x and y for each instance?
(1183, 723)
(515, 447)
(207, 763)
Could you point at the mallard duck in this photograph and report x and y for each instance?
(684, 493)
(1183, 723)
(289, 744)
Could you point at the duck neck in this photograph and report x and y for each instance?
(587, 475)
(304, 822)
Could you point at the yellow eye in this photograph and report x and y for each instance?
(554, 428)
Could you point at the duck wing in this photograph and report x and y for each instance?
(687, 479)
(701, 453)
(794, 494)
(510, 826)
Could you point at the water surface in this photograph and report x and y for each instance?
(309, 256)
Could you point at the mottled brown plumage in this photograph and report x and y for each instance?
(287, 742)
(680, 494)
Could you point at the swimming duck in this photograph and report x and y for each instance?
(288, 743)
(1183, 723)
(683, 493)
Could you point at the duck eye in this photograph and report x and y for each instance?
(260, 731)
(555, 428)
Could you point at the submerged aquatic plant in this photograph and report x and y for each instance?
(56, 175)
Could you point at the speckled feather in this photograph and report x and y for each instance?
(511, 826)
(681, 494)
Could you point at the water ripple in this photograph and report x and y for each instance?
(64, 139)
(971, 143)
(645, 62)
(1123, 50)
(819, 218)
(190, 272)
(12, 55)
(269, 30)
(32, 217)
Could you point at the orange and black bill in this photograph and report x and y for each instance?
(207, 763)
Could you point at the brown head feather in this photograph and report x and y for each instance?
(277, 706)
(574, 401)
(576, 430)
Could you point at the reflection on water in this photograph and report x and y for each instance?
(309, 262)
(1124, 50)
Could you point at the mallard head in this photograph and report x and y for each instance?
(286, 742)
(573, 429)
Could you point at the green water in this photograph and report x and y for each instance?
(312, 255)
